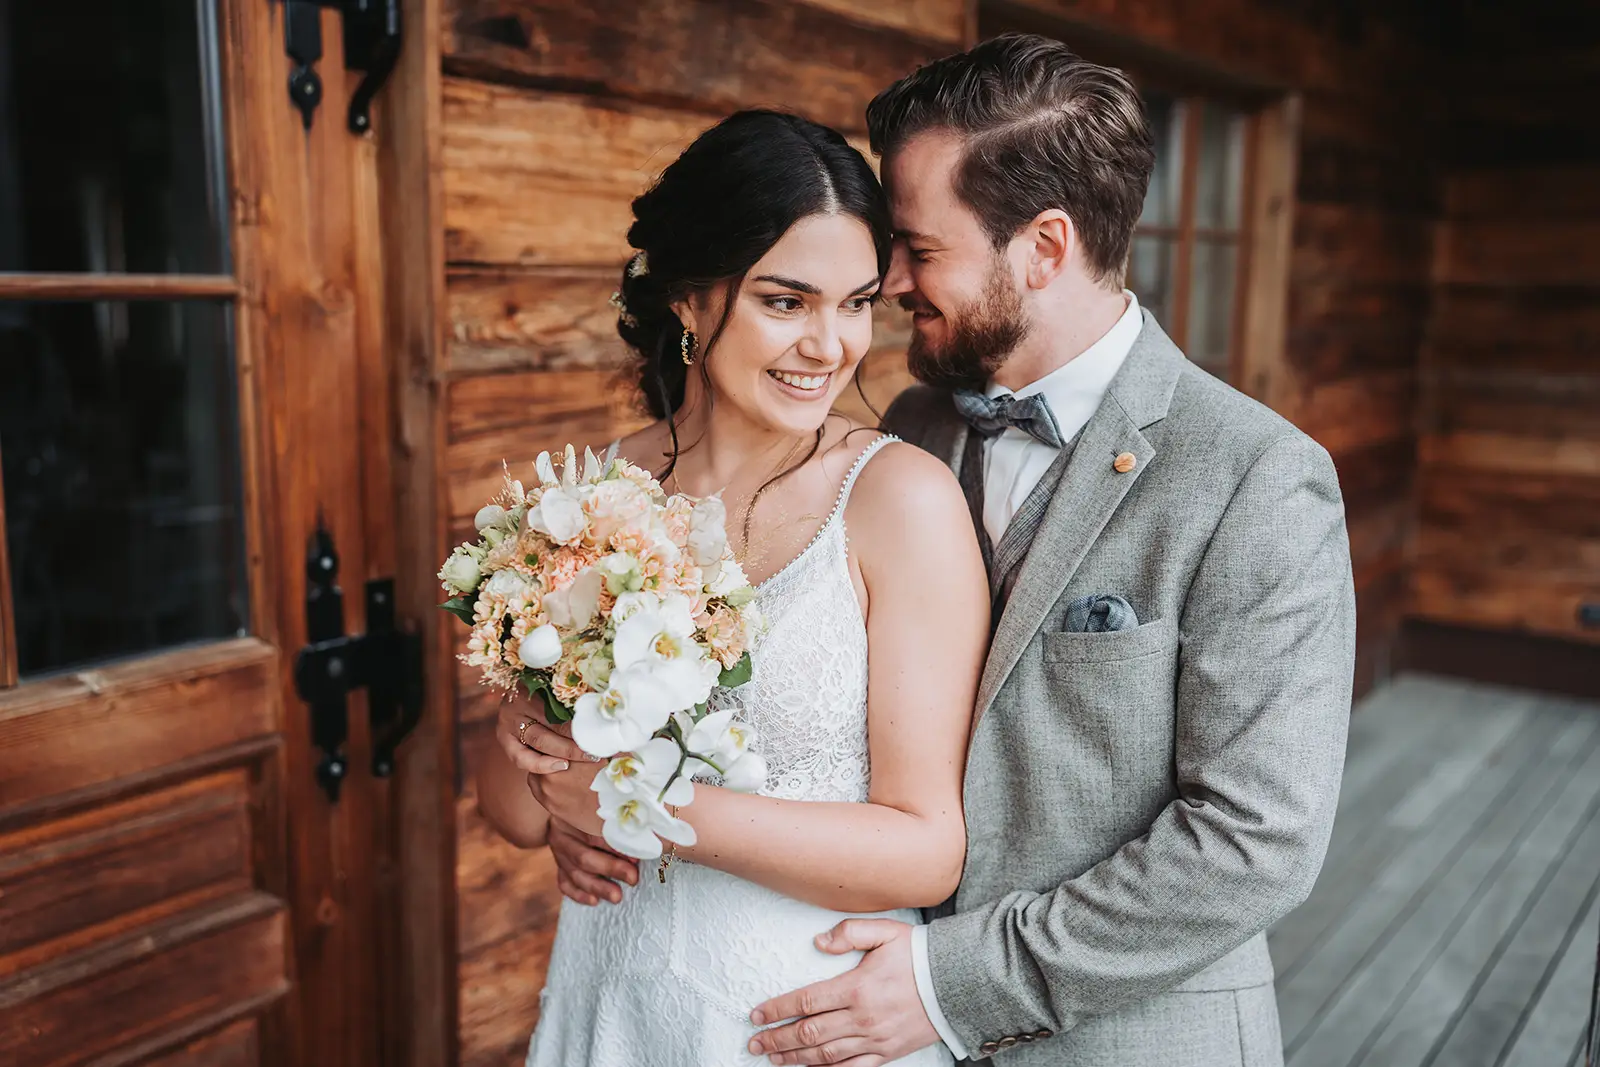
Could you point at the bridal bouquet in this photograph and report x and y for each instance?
(618, 609)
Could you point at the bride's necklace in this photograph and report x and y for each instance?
(748, 508)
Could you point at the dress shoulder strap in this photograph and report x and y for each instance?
(855, 470)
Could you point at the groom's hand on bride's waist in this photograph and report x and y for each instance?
(586, 870)
(863, 1018)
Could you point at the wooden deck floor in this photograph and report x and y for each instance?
(1455, 921)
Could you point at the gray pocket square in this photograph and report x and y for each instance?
(1104, 613)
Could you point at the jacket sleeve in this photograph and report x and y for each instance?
(1265, 668)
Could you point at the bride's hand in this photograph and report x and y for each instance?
(531, 745)
(568, 795)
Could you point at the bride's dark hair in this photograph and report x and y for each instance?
(711, 216)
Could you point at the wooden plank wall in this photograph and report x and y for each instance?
(1366, 201)
(1510, 476)
(556, 113)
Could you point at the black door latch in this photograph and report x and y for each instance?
(385, 661)
(371, 45)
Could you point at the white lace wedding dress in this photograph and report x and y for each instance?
(668, 977)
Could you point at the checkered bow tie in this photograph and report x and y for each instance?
(991, 416)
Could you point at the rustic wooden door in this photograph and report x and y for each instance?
(193, 382)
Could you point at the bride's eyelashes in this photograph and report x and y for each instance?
(791, 304)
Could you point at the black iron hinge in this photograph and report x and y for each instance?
(371, 45)
(385, 661)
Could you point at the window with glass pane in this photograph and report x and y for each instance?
(1185, 264)
(108, 153)
(118, 425)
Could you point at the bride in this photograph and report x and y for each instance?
(749, 304)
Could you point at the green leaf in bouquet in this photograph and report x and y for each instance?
(539, 690)
(460, 607)
(738, 674)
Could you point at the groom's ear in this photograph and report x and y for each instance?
(1052, 242)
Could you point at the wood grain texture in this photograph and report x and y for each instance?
(67, 883)
(115, 286)
(702, 55)
(947, 21)
(1515, 331)
(556, 319)
(508, 419)
(1349, 414)
(539, 178)
(421, 1003)
(308, 323)
(1498, 251)
(94, 726)
(235, 1045)
(154, 989)
(500, 988)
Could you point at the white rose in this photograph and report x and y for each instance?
(506, 584)
(461, 571)
(541, 648)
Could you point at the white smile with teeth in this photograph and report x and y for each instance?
(800, 381)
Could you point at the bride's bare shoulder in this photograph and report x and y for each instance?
(903, 485)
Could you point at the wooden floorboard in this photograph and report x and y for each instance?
(1413, 768)
(1454, 923)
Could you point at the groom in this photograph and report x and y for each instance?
(1161, 723)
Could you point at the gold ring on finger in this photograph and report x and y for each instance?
(522, 732)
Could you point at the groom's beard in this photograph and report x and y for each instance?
(982, 335)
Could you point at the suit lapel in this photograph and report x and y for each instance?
(1090, 492)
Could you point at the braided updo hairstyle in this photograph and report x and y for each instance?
(714, 213)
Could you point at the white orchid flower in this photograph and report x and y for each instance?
(721, 738)
(540, 648)
(558, 515)
(631, 825)
(748, 773)
(545, 470)
(633, 707)
(487, 516)
(708, 531)
(646, 773)
(659, 641)
(574, 607)
(591, 466)
(461, 571)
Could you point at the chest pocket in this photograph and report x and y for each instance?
(1121, 689)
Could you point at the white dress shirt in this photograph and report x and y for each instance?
(1013, 463)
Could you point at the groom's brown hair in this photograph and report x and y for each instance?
(1044, 128)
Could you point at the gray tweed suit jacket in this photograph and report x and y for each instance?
(1141, 805)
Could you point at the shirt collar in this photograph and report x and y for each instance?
(1076, 388)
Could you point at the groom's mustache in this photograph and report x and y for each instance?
(907, 303)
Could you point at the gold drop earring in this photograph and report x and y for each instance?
(688, 347)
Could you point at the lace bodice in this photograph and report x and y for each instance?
(668, 977)
(807, 698)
